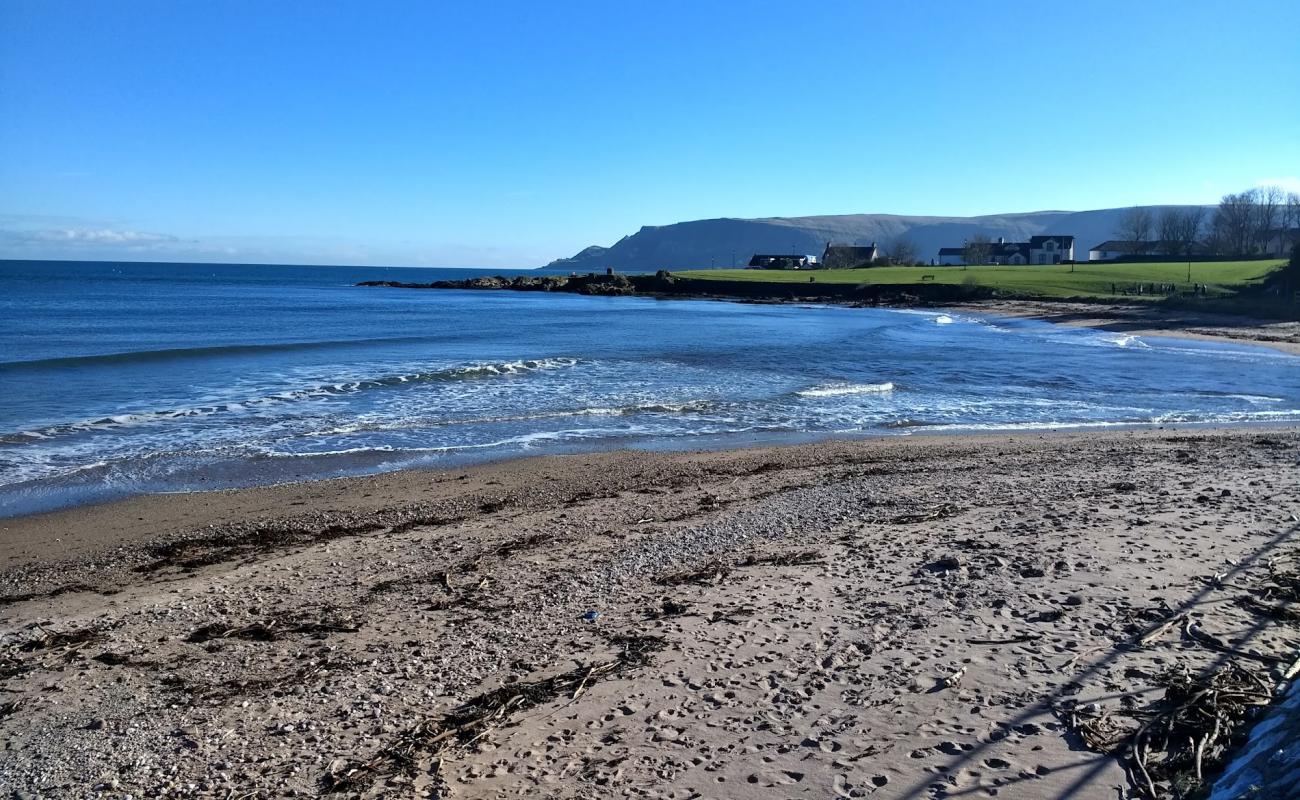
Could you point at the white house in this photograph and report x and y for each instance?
(1038, 250)
(1050, 249)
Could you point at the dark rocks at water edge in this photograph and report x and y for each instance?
(666, 284)
(591, 284)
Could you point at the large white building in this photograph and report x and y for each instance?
(1038, 250)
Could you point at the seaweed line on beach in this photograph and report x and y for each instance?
(472, 720)
(1174, 746)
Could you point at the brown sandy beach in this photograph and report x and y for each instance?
(895, 618)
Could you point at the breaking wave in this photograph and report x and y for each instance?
(467, 372)
(835, 390)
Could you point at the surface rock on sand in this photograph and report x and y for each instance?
(886, 619)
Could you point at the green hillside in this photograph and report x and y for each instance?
(1080, 280)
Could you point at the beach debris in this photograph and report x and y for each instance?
(56, 639)
(12, 667)
(591, 616)
(216, 693)
(668, 607)
(8, 708)
(1021, 639)
(1171, 745)
(1196, 632)
(942, 511)
(66, 588)
(475, 718)
(272, 629)
(528, 542)
(946, 563)
(1161, 629)
(439, 578)
(734, 615)
(710, 573)
(794, 559)
(949, 681)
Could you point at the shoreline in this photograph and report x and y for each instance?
(138, 518)
(793, 617)
(1118, 316)
(1138, 320)
(22, 536)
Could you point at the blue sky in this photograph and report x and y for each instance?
(509, 134)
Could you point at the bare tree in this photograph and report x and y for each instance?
(1269, 203)
(1180, 227)
(1235, 223)
(902, 251)
(1135, 226)
(1291, 217)
(977, 249)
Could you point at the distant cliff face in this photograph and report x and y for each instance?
(722, 243)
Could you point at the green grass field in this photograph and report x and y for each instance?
(1083, 280)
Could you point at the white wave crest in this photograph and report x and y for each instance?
(836, 390)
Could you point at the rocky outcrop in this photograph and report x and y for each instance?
(665, 284)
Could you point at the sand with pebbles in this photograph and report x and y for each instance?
(898, 618)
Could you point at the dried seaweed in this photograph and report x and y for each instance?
(668, 607)
(215, 693)
(942, 511)
(529, 542)
(12, 667)
(1172, 745)
(472, 720)
(272, 629)
(784, 559)
(439, 578)
(66, 588)
(1280, 612)
(190, 554)
(711, 573)
(56, 639)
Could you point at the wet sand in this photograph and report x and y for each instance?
(1146, 320)
(896, 618)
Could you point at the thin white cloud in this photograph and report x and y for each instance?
(88, 237)
(1291, 184)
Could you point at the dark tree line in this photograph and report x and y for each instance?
(1244, 224)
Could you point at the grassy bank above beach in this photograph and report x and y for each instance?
(1062, 280)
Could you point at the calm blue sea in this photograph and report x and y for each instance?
(117, 379)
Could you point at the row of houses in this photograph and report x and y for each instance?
(1277, 243)
(1048, 249)
(1038, 250)
(835, 256)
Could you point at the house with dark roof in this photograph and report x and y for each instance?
(952, 256)
(849, 256)
(783, 261)
(1053, 249)
(1126, 248)
(999, 252)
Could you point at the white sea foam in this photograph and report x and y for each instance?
(290, 396)
(1256, 399)
(836, 390)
